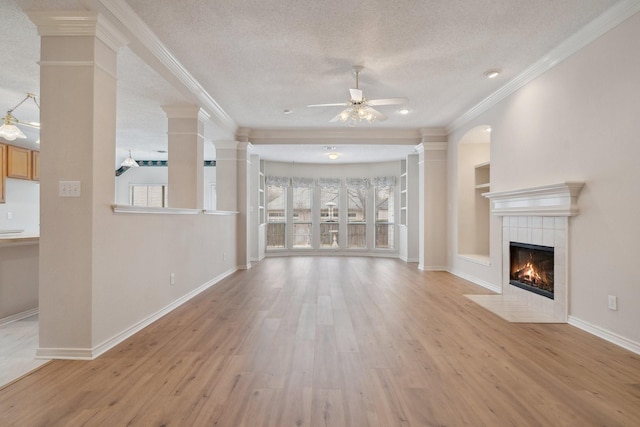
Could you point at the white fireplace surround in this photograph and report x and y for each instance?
(538, 216)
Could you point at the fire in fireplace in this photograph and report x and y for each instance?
(532, 268)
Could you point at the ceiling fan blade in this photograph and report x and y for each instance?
(336, 118)
(377, 114)
(387, 101)
(339, 104)
(356, 95)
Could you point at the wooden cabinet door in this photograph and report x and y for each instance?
(35, 165)
(3, 170)
(18, 162)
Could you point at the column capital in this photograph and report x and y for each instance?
(72, 23)
(185, 112)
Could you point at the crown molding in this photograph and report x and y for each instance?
(144, 42)
(323, 136)
(590, 32)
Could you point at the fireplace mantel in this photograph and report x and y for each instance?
(549, 200)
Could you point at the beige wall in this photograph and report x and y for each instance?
(577, 122)
(18, 279)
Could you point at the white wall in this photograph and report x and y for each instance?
(578, 121)
(23, 202)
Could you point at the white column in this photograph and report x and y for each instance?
(243, 191)
(432, 181)
(186, 156)
(78, 115)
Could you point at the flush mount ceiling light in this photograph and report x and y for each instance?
(333, 156)
(129, 162)
(492, 74)
(404, 111)
(9, 130)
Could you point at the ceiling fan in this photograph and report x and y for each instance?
(360, 108)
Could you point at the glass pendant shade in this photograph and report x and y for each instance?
(129, 162)
(10, 131)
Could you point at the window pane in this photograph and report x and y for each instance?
(329, 217)
(357, 218)
(275, 235)
(384, 209)
(276, 217)
(302, 198)
(302, 235)
(384, 236)
(384, 205)
(329, 235)
(357, 202)
(329, 204)
(357, 234)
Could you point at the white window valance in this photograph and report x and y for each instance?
(302, 182)
(356, 183)
(384, 181)
(277, 181)
(329, 182)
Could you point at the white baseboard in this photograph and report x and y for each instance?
(18, 316)
(65, 353)
(89, 354)
(605, 334)
(494, 288)
(244, 267)
(432, 267)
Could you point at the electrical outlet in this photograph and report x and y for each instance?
(613, 302)
(172, 279)
(9, 215)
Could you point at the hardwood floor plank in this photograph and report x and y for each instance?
(316, 341)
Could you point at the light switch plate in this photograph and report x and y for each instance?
(69, 188)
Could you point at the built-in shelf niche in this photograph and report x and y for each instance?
(474, 180)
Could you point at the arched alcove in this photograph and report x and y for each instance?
(474, 157)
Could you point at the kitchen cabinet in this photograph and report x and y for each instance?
(3, 170)
(35, 165)
(19, 162)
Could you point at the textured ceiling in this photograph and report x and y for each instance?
(257, 58)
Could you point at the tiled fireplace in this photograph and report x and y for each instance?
(534, 219)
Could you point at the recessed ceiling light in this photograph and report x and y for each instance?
(404, 111)
(333, 156)
(492, 74)
(288, 111)
(487, 129)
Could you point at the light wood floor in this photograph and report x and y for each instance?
(313, 341)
